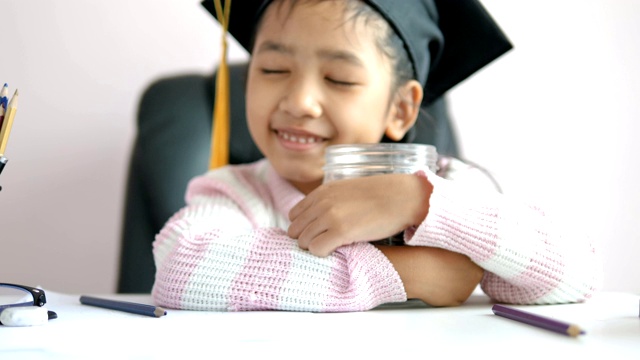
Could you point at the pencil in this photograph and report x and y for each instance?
(4, 99)
(537, 320)
(134, 308)
(8, 122)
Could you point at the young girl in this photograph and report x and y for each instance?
(270, 235)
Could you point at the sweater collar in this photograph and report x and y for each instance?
(285, 195)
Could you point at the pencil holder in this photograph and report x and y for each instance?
(358, 160)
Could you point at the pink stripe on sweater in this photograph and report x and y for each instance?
(336, 300)
(258, 285)
(452, 225)
(365, 279)
(537, 280)
(180, 263)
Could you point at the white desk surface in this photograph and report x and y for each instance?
(611, 321)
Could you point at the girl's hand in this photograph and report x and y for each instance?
(363, 209)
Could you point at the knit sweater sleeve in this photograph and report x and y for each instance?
(221, 253)
(527, 258)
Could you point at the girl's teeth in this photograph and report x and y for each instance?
(301, 140)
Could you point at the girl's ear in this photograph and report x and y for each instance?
(405, 110)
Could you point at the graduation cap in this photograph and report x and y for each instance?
(447, 40)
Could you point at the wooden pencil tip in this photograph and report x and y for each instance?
(574, 331)
(159, 312)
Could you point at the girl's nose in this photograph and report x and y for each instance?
(301, 100)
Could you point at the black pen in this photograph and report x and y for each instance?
(134, 308)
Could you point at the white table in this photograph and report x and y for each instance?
(410, 330)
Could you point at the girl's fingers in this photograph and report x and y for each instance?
(309, 226)
(311, 229)
(304, 225)
(324, 244)
(300, 218)
(301, 207)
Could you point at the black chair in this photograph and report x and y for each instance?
(172, 146)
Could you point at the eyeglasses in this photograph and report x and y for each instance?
(13, 295)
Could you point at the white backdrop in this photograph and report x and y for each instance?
(554, 120)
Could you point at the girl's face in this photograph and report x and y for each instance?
(316, 79)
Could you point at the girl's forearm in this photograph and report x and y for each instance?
(266, 270)
(529, 259)
(435, 276)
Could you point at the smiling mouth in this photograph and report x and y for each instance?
(299, 138)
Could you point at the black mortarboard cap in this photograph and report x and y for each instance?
(447, 40)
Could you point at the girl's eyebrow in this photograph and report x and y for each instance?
(340, 55)
(327, 54)
(274, 46)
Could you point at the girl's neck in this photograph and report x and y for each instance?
(306, 187)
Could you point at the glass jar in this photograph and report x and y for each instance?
(350, 161)
(358, 160)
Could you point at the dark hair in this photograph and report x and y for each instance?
(388, 42)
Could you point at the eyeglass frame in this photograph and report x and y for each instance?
(38, 295)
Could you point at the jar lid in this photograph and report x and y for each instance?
(382, 153)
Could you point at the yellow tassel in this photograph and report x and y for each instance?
(221, 108)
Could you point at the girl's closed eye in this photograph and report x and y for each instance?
(273, 71)
(340, 82)
(344, 76)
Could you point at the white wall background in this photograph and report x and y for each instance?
(554, 120)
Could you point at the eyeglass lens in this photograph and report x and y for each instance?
(16, 295)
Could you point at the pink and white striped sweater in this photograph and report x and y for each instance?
(227, 250)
